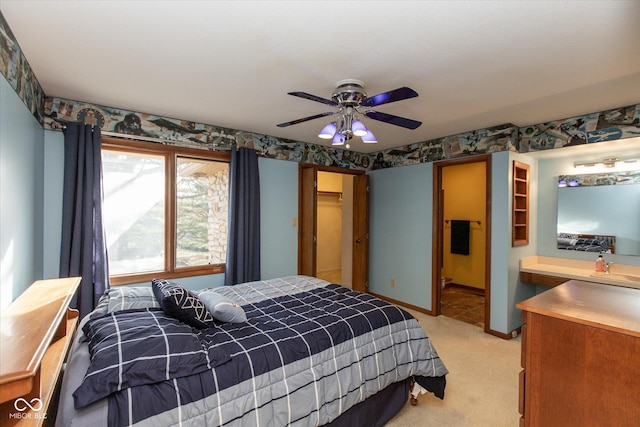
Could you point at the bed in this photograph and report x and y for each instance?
(295, 350)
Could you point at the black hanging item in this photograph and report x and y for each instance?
(460, 237)
(83, 250)
(243, 239)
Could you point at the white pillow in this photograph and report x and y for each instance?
(222, 308)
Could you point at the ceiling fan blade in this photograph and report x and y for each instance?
(305, 119)
(391, 96)
(314, 98)
(394, 120)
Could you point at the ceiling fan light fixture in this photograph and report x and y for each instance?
(328, 131)
(358, 128)
(369, 138)
(350, 100)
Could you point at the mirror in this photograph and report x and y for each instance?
(599, 212)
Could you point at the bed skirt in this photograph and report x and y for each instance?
(378, 409)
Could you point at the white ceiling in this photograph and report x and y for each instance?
(474, 64)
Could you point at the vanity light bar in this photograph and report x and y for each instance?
(609, 162)
(585, 165)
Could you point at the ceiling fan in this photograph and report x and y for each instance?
(351, 100)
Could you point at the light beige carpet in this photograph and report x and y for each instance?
(482, 384)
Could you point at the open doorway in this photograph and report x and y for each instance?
(333, 225)
(461, 248)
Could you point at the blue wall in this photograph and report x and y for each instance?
(21, 187)
(278, 207)
(52, 199)
(400, 233)
(500, 241)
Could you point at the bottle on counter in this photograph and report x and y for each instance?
(600, 264)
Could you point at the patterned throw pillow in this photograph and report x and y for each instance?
(181, 304)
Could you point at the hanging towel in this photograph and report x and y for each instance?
(460, 237)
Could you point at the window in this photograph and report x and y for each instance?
(165, 210)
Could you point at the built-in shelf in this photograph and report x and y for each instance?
(520, 220)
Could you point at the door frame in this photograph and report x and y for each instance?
(360, 234)
(438, 234)
(302, 263)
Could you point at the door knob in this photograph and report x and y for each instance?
(358, 241)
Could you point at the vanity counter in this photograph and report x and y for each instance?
(552, 271)
(580, 344)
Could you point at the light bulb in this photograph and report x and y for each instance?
(338, 139)
(369, 138)
(358, 128)
(328, 131)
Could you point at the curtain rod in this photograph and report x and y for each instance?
(62, 125)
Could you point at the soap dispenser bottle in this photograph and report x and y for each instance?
(600, 264)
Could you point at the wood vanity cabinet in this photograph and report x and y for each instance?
(542, 279)
(580, 356)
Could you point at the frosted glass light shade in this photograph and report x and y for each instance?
(369, 138)
(328, 131)
(338, 139)
(358, 128)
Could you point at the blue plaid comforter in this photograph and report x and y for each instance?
(308, 352)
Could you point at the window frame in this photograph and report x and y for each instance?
(170, 154)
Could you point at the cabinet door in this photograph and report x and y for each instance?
(361, 233)
(579, 375)
(307, 212)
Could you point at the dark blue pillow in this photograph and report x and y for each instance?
(181, 304)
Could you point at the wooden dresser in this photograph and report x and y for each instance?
(581, 356)
(37, 330)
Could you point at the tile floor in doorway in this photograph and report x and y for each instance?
(463, 303)
(458, 302)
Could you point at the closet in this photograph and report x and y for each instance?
(333, 235)
(334, 227)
